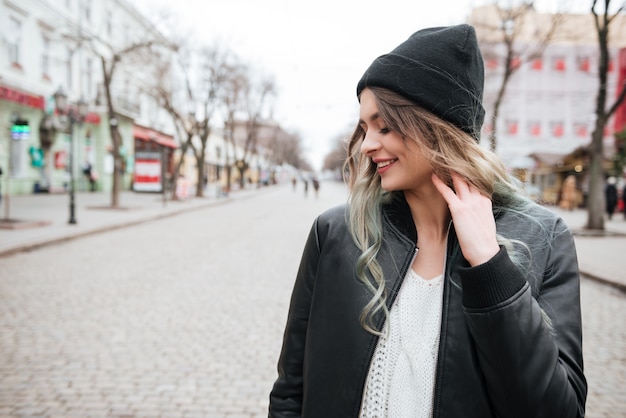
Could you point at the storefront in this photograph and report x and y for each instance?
(22, 158)
(154, 159)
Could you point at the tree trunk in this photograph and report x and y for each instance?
(595, 199)
(228, 177)
(242, 180)
(117, 165)
(201, 175)
(114, 132)
(179, 164)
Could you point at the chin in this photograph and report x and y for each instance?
(390, 186)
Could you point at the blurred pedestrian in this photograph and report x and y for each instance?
(316, 186)
(569, 194)
(293, 183)
(440, 290)
(623, 198)
(610, 196)
(306, 186)
(90, 175)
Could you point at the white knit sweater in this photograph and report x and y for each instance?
(401, 378)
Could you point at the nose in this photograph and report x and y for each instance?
(370, 143)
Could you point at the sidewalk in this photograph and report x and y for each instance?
(600, 256)
(44, 220)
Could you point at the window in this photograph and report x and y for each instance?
(14, 40)
(534, 128)
(511, 127)
(86, 12)
(515, 62)
(68, 69)
(126, 34)
(581, 130)
(89, 77)
(45, 57)
(557, 129)
(582, 63)
(558, 63)
(109, 23)
(537, 64)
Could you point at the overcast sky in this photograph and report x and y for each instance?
(316, 50)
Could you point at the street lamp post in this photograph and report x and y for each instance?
(73, 114)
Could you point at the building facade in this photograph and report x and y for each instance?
(47, 46)
(548, 109)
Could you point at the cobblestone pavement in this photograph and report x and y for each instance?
(183, 316)
(604, 348)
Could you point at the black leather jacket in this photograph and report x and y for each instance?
(497, 356)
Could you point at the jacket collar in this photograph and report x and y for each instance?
(398, 212)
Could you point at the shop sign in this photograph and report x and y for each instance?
(20, 131)
(147, 172)
(24, 99)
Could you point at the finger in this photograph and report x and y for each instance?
(445, 190)
(461, 186)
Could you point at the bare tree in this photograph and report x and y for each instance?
(596, 201)
(506, 40)
(213, 75)
(173, 98)
(110, 63)
(335, 159)
(232, 102)
(112, 57)
(204, 75)
(256, 101)
(286, 148)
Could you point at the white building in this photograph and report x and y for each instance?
(548, 108)
(549, 104)
(46, 45)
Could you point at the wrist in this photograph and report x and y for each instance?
(483, 255)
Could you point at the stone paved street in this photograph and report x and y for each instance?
(604, 347)
(183, 316)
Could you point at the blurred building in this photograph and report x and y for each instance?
(47, 45)
(547, 113)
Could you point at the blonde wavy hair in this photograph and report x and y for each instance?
(448, 149)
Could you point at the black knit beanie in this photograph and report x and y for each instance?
(439, 69)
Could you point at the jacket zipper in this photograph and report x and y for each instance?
(443, 329)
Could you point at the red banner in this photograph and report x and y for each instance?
(147, 175)
(24, 99)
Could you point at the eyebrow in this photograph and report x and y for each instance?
(374, 117)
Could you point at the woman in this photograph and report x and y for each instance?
(610, 196)
(569, 194)
(439, 290)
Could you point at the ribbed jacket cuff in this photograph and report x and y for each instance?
(490, 283)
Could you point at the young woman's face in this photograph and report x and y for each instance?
(400, 163)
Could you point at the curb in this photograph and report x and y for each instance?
(41, 244)
(598, 279)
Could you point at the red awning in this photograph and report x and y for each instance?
(22, 98)
(92, 118)
(147, 134)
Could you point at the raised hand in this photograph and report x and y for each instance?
(473, 219)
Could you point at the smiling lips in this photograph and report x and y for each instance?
(383, 165)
